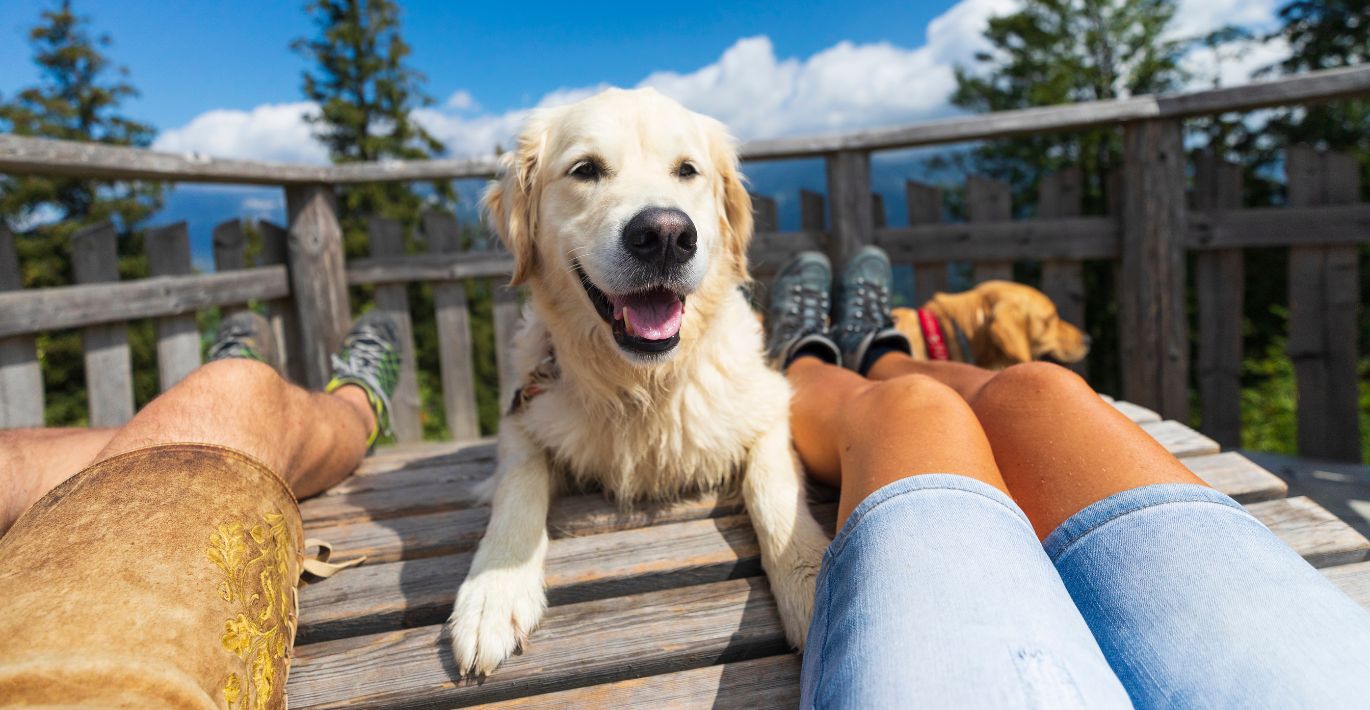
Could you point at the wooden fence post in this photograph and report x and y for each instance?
(925, 207)
(281, 313)
(878, 210)
(228, 255)
(318, 282)
(21, 376)
(109, 375)
(387, 239)
(178, 337)
(849, 189)
(989, 201)
(454, 334)
(1151, 293)
(1324, 294)
(765, 214)
(1219, 277)
(1059, 195)
(811, 211)
(504, 310)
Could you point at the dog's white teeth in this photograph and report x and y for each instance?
(628, 323)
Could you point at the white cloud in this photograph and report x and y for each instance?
(847, 86)
(275, 132)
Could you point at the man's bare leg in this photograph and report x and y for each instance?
(312, 439)
(35, 461)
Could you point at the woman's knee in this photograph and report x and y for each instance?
(1029, 386)
(906, 398)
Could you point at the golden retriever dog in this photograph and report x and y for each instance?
(629, 222)
(994, 325)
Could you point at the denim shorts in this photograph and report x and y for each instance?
(936, 593)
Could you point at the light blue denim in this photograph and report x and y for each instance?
(937, 594)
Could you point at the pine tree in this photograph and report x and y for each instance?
(1065, 51)
(365, 93)
(79, 97)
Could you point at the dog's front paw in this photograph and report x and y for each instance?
(494, 613)
(794, 581)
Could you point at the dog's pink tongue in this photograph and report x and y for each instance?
(654, 315)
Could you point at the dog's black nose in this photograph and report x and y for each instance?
(659, 235)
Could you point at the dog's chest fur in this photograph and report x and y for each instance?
(660, 440)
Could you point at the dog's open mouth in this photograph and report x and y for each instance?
(646, 322)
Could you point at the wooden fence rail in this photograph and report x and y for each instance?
(1148, 231)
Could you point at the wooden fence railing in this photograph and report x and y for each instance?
(1149, 234)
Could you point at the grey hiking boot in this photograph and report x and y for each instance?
(246, 335)
(797, 314)
(370, 358)
(862, 317)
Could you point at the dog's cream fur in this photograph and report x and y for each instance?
(710, 416)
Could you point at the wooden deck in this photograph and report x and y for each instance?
(658, 607)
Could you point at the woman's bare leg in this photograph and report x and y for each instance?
(35, 461)
(1059, 446)
(859, 435)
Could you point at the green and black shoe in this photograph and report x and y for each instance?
(246, 335)
(862, 320)
(797, 312)
(370, 358)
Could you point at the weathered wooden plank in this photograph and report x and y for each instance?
(21, 375)
(1324, 295)
(1071, 238)
(422, 489)
(448, 532)
(1061, 194)
(455, 357)
(387, 459)
(388, 596)
(1135, 412)
(849, 188)
(178, 337)
(1319, 536)
(1312, 86)
(1152, 323)
(109, 373)
(878, 210)
(760, 684)
(429, 267)
(577, 645)
(387, 239)
(771, 250)
(229, 244)
(281, 312)
(989, 201)
(1354, 579)
(1235, 475)
(35, 310)
(811, 214)
(765, 214)
(317, 280)
(1219, 283)
(1180, 440)
(929, 274)
(1278, 226)
(504, 311)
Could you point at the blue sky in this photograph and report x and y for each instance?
(219, 78)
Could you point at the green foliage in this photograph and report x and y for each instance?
(366, 94)
(78, 97)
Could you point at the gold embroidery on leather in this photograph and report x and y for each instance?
(255, 564)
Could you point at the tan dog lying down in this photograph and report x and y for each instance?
(629, 222)
(994, 325)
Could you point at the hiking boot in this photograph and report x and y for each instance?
(862, 317)
(797, 315)
(370, 359)
(246, 335)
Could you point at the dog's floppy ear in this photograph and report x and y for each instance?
(1008, 331)
(734, 204)
(511, 202)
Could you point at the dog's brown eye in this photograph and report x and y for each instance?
(585, 170)
(686, 170)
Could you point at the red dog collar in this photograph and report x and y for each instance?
(933, 338)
